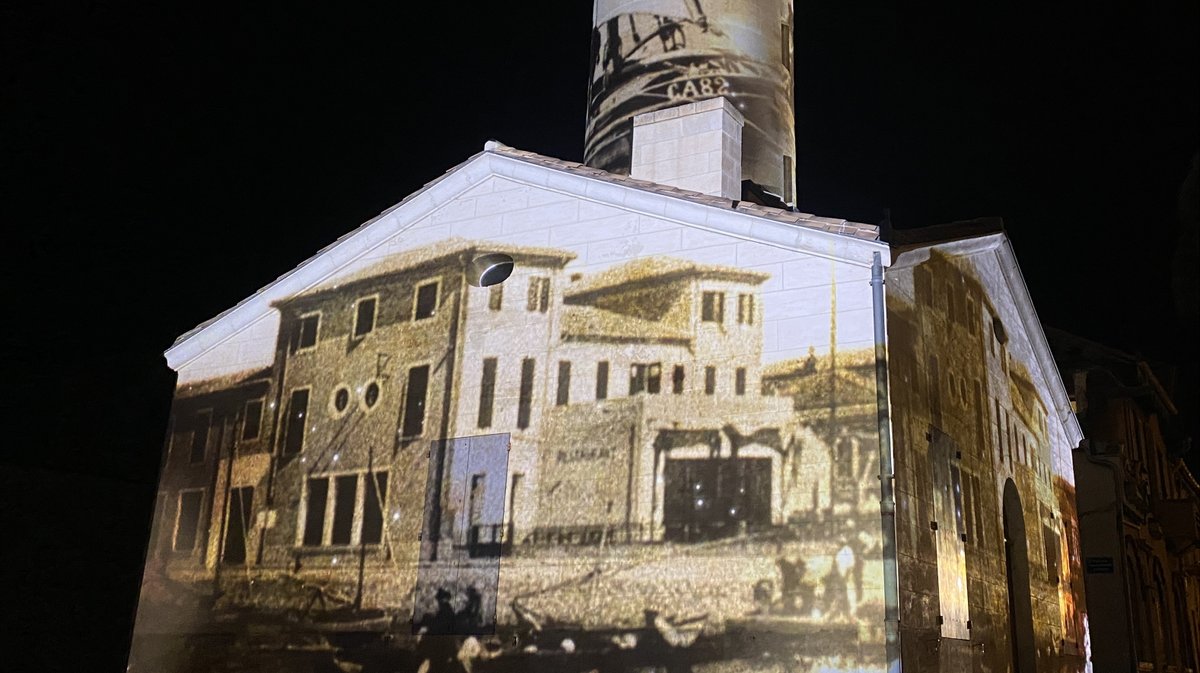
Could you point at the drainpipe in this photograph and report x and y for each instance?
(887, 475)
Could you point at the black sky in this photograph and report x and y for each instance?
(163, 163)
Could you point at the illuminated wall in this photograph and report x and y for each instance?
(653, 54)
(986, 522)
(654, 444)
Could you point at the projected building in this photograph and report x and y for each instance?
(689, 431)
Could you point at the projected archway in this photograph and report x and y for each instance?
(1016, 561)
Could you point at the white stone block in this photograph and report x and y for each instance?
(696, 140)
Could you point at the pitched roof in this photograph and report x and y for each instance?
(833, 225)
(434, 252)
(590, 323)
(820, 236)
(658, 269)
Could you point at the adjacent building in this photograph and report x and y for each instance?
(1138, 511)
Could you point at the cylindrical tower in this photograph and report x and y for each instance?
(653, 54)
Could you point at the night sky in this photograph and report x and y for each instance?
(163, 164)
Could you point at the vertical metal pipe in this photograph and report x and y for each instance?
(887, 476)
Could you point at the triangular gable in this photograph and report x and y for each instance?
(847, 242)
(996, 242)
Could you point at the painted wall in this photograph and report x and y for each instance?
(689, 430)
(988, 543)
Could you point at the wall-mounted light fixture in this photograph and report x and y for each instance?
(490, 269)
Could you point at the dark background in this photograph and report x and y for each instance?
(161, 164)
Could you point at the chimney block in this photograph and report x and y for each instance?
(695, 146)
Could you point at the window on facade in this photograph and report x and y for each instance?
(373, 505)
(364, 316)
(645, 378)
(297, 412)
(187, 522)
(739, 383)
(341, 399)
(414, 401)
(745, 309)
(371, 395)
(200, 437)
(1050, 537)
(426, 301)
(712, 307)
(487, 392)
(710, 380)
(602, 380)
(346, 524)
(305, 333)
(563, 394)
(314, 511)
(525, 394)
(345, 491)
(495, 297)
(252, 419)
(677, 380)
(539, 294)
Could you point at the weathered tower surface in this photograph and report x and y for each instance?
(654, 54)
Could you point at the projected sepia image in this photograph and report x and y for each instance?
(596, 465)
(653, 54)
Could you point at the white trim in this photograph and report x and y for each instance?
(999, 245)
(402, 216)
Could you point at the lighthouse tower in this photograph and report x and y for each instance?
(653, 54)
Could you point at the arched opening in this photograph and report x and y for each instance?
(1016, 562)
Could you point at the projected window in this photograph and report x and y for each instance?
(563, 394)
(187, 520)
(739, 381)
(304, 335)
(525, 394)
(495, 297)
(712, 307)
(487, 392)
(538, 298)
(364, 316)
(252, 419)
(645, 378)
(677, 380)
(200, 428)
(344, 509)
(414, 402)
(602, 380)
(426, 300)
(297, 412)
(710, 380)
(341, 399)
(745, 309)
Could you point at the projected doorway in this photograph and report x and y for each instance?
(706, 499)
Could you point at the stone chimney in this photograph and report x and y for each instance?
(694, 146)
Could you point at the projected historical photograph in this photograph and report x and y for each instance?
(653, 54)
(607, 466)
